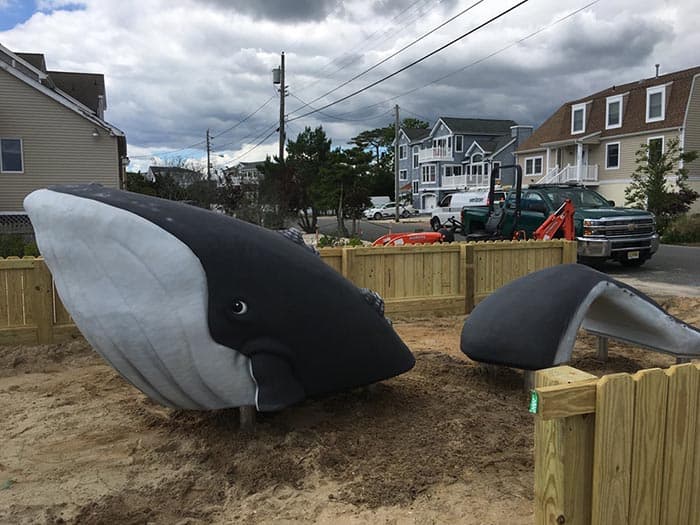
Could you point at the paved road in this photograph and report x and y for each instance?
(672, 270)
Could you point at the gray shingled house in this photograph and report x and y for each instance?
(456, 154)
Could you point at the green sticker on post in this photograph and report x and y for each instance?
(534, 402)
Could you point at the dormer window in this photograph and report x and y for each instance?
(656, 103)
(578, 118)
(613, 112)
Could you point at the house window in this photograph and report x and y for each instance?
(11, 159)
(533, 166)
(496, 164)
(613, 112)
(428, 173)
(414, 186)
(612, 156)
(578, 118)
(449, 142)
(656, 103)
(416, 149)
(459, 141)
(403, 174)
(656, 148)
(402, 151)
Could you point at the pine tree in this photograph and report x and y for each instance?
(651, 188)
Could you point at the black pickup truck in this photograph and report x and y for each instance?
(603, 231)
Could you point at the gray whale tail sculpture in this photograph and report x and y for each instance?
(531, 323)
(202, 311)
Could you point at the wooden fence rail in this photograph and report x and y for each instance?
(622, 449)
(428, 279)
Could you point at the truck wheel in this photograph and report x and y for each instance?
(435, 224)
(377, 216)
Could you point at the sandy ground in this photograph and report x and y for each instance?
(446, 442)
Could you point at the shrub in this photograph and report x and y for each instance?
(684, 230)
(15, 246)
(327, 241)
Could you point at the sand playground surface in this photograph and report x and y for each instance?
(447, 442)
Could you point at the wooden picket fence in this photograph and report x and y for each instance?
(30, 309)
(622, 449)
(428, 279)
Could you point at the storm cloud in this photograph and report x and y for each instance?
(177, 68)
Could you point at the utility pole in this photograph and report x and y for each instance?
(208, 156)
(396, 161)
(283, 92)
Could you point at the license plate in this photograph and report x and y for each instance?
(633, 255)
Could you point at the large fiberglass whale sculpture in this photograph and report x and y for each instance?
(531, 323)
(202, 311)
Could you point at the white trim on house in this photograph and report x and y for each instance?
(414, 187)
(468, 152)
(436, 126)
(21, 156)
(62, 99)
(653, 91)
(534, 173)
(16, 58)
(615, 99)
(415, 157)
(403, 174)
(498, 151)
(574, 109)
(607, 166)
(403, 152)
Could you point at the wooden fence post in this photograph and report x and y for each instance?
(41, 295)
(469, 277)
(563, 458)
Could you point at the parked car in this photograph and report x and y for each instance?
(389, 210)
(603, 231)
(451, 205)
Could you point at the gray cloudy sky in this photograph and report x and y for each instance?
(177, 67)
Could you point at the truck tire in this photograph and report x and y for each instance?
(447, 234)
(435, 224)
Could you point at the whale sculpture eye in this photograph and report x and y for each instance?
(239, 307)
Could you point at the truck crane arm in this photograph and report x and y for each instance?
(562, 218)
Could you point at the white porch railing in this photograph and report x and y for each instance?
(586, 174)
(453, 182)
(433, 154)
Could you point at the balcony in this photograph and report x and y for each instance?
(455, 182)
(585, 174)
(435, 154)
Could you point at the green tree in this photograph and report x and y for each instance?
(306, 157)
(380, 142)
(138, 183)
(650, 188)
(343, 186)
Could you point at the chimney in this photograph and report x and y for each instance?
(520, 133)
(657, 70)
(101, 106)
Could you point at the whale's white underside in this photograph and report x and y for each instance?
(139, 296)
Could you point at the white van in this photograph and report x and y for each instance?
(451, 205)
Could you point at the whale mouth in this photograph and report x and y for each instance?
(139, 296)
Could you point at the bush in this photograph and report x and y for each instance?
(16, 246)
(684, 230)
(328, 241)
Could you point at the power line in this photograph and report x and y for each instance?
(336, 117)
(246, 118)
(254, 147)
(395, 29)
(479, 61)
(404, 68)
(404, 48)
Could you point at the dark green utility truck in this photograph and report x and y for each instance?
(602, 230)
